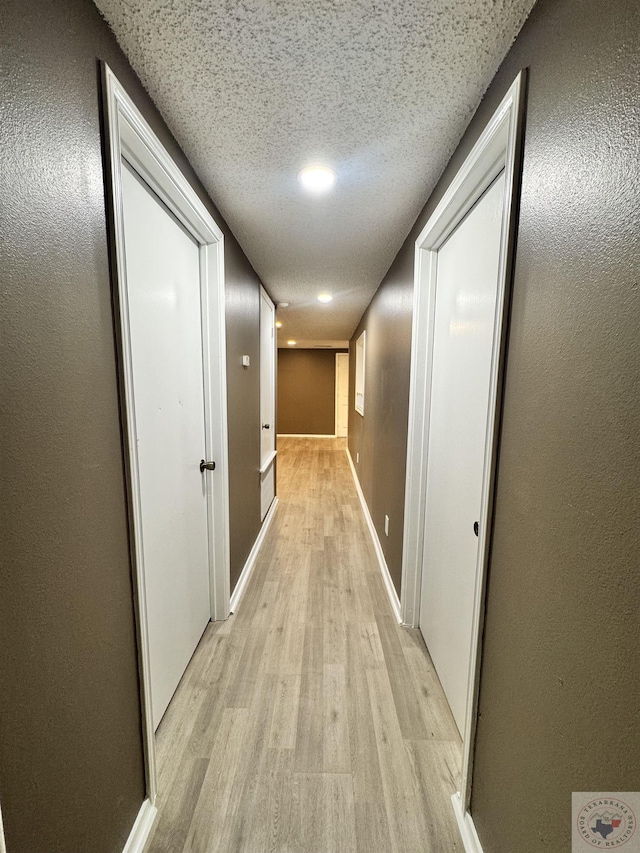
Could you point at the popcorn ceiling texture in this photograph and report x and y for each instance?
(381, 90)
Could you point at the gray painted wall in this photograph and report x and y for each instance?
(559, 698)
(380, 436)
(243, 402)
(71, 768)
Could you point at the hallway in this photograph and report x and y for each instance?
(309, 722)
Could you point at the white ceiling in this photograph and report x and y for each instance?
(380, 90)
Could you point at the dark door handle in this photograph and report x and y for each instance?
(210, 466)
(266, 426)
(476, 527)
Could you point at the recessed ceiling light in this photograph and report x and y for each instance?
(278, 324)
(324, 297)
(291, 343)
(317, 179)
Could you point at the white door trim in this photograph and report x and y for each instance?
(267, 476)
(497, 148)
(264, 463)
(340, 355)
(131, 137)
(466, 826)
(336, 404)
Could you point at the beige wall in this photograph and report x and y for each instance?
(71, 765)
(307, 391)
(559, 698)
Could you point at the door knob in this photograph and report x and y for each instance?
(210, 466)
(476, 527)
(266, 426)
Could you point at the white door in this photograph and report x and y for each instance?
(267, 402)
(466, 290)
(163, 281)
(342, 393)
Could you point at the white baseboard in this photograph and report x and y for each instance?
(304, 435)
(466, 826)
(137, 837)
(251, 559)
(141, 828)
(386, 577)
(3, 848)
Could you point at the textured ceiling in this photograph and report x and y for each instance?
(381, 90)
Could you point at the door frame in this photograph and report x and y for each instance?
(129, 136)
(337, 401)
(269, 462)
(497, 149)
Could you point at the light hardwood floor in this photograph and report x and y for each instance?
(309, 722)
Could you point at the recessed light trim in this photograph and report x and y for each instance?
(278, 324)
(291, 343)
(325, 298)
(317, 179)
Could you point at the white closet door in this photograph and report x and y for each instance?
(163, 280)
(267, 402)
(466, 289)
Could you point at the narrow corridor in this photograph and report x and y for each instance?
(309, 722)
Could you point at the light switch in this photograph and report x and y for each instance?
(246, 361)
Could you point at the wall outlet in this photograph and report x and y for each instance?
(386, 525)
(357, 457)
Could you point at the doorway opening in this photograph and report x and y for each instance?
(267, 402)
(170, 315)
(461, 292)
(342, 394)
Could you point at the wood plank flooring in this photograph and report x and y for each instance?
(309, 722)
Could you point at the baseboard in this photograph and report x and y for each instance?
(141, 828)
(466, 826)
(386, 577)
(3, 848)
(303, 435)
(251, 559)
